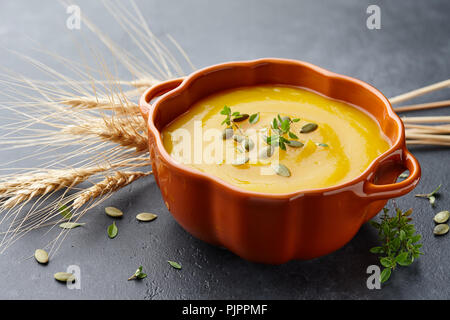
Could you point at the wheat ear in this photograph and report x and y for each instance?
(124, 133)
(108, 185)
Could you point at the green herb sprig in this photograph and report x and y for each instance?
(398, 241)
(138, 274)
(282, 127)
(112, 230)
(431, 196)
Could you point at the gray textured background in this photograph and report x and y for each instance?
(411, 50)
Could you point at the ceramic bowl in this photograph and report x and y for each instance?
(264, 227)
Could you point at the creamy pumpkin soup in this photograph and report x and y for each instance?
(275, 139)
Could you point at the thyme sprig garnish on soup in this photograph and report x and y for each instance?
(281, 135)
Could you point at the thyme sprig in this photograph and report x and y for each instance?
(232, 118)
(431, 196)
(282, 128)
(398, 241)
(138, 274)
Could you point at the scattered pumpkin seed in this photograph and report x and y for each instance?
(309, 127)
(71, 225)
(227, 133)
(281, 170)
(441, 217)
(240, 160)
(145, 216)
(41, 256)
(248, 144)
(113, 212)
(441, 229)
(112, 230)
(295, 144)
(174, 264)
(266, 152)
(64, 277)
(241, 117)
(238, 138)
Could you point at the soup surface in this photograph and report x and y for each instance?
(296, 139)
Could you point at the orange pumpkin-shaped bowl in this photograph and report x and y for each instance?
(274, 228)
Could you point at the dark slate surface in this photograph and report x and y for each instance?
(411, 50)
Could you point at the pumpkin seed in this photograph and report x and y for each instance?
(240, 160)
(241, 117)
(144, 216)
(309, 127)
(295, 144)
(266, 152)
(441, 217)
(64, 276)
(70, 225)
(248, 144)
(238, 138)
(285, 118)
(441, 229)
(322, 145)
(113, 212)
(41, 256)
(254, 118)
(174, 264)
(281, 170)
(227, 133)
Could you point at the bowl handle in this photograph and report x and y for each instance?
(393, 190)
(154, 92)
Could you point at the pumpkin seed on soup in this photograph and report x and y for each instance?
(295, 144)
(240, 160)
(441, 229)
(241, 117)
(248, 144)
(254, 118)
(227, 133)
(285, 118)
(266, 152)
(281, 170)
(238, 138)
(441, 217)
(41, 256)
(309, 127)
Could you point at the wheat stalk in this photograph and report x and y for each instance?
(118, 131)
(108, 185)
